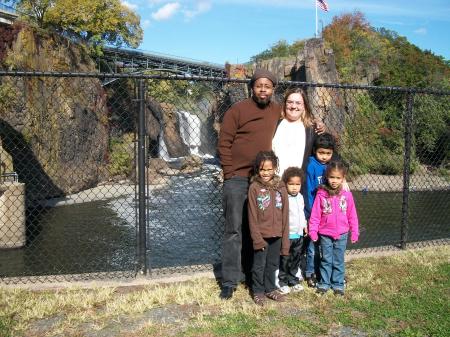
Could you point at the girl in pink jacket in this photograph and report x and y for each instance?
(333, 219)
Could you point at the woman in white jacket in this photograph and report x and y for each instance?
(295, 133)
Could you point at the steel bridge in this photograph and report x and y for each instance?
(7, 14)
(127, 60)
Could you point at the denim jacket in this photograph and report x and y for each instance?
(333, 215)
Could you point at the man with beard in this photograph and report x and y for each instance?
(247, 128)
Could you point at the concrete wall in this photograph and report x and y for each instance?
(12, 215)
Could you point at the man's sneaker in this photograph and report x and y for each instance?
(297, 288)
(284, 290)
(338, 292)
(226, 293)
(275, 295)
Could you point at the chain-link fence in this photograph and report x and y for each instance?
(106, 176)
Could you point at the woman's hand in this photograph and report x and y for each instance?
(319, 127)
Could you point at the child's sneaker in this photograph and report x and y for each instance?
(311, 281)
(284, 290)
(338, 292)
(321, 291)
(297, 288)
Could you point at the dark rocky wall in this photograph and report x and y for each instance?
(54, 128)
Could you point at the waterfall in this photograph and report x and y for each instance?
(190, 126)
(162, 148)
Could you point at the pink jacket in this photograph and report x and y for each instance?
(333, 215)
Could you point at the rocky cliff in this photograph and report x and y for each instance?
(55, 129)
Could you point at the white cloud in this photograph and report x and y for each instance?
(166, 11)
(421, 31)
(156, 2)
(129, 5)
(200, 7)
(145, 24)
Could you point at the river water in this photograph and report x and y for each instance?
(185, 224)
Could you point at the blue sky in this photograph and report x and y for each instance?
(234, 30)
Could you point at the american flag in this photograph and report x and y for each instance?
(322, 4)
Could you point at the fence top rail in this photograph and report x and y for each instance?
(218, 79)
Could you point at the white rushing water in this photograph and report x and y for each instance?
(190, 132)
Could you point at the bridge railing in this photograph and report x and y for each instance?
(124, 179)
(136, 61)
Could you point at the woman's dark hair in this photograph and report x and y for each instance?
(291, 172)
(307, 120)
(337, 165)
(263, 156)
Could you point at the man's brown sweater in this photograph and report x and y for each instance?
(246, 129)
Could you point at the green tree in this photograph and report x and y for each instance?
(408, 66)
(96, 22)
(396, 62)
(33, 9)
(356, 46)
(280, 49)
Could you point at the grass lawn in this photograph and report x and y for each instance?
(405, 294)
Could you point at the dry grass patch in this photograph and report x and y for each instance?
(400, 295)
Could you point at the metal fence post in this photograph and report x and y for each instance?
(406, 169)
(142, 240)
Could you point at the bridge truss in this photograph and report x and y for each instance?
(117, 60)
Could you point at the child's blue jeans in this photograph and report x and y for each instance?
(332, 266)
(312, 258)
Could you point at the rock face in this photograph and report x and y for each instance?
(54, 129)
(314, 64)
(162, 121)
(327, 103)
(285, 68)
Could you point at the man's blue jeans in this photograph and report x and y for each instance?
(332, 266)
(235, 191)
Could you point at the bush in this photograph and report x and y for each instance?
(121, 155)
(370, 145)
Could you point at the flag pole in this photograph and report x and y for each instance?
(315, 1)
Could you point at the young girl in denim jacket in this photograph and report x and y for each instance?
(333, 219)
